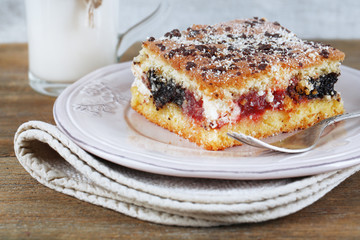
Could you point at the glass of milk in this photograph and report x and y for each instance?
(68, 39)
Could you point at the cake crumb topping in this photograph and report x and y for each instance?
(237, 49)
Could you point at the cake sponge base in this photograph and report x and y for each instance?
(292, 117)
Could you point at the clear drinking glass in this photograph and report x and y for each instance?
(69, 38)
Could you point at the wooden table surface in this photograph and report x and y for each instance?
(29, 210)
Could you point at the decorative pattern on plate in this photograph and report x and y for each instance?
(97, 98)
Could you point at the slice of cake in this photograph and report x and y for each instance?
(250, 76)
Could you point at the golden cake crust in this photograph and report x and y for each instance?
(231, 54)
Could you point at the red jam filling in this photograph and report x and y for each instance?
(253, 105)
(192, 107)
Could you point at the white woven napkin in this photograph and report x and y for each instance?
(58, 163)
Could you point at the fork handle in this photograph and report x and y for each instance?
(341, 117)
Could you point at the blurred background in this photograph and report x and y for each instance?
(311, 19)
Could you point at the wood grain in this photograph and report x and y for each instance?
(29, 210)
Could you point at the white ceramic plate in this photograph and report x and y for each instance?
(95, 113)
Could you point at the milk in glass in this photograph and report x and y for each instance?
(70, 38)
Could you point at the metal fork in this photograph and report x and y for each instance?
(302, 141)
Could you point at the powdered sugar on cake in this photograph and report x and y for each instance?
(228, 52)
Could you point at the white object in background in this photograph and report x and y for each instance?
(70, 38)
